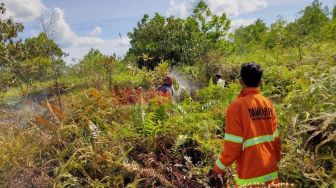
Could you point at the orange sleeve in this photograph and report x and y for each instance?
(233, 140)
(277, 141)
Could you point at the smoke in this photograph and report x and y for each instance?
(23, 111)
(185, 82)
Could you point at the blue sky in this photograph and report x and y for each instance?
(113, 16)
(79, 25)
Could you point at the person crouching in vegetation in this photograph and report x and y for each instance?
(251, 136)
(219, 81)
(167, 87)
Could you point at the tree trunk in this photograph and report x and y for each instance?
(24, 92)
(110, 81)
(300, 53)
(58, 88)
(57, 85)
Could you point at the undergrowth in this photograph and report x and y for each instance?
(133, 137)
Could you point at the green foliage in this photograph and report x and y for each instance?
(42, 46)
(329, 30)
(21, 63)
(10, 50)
(214, 92)
(313, 18)
(253, 34)
(37, 69)
(215, 27)
(276, 36)
(178, 40)
(123, 136)
(311, 27)
(152, 78)
(98, 68)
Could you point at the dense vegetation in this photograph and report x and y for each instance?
(105, 126)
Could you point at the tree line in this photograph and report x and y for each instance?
(187, 41)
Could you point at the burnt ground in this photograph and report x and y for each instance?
(20, 111)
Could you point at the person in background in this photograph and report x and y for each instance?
(167, 87)
(251, 135)
(219, 81)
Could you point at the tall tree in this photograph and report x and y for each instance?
(213, 26)
(90, 66)
(37, 69)
(43, 46)
(108, 64)
(178, 40)
(98, 68)
(276, 34)
(296, 37)
(11, 50)
(307, 28)
(254, 34)
(314, 18)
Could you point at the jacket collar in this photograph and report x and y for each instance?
(249, 91)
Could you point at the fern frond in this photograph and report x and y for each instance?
(147, 173)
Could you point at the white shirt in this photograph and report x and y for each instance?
(221, 83)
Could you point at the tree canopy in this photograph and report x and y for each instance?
(178, 40)
(36, 59)
(11, 50)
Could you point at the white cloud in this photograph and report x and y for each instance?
(96, 31)
(236, 7)
(177, 9)
(30, 10)
(235, 24)
(77, 45)
(117, 46)
(248, 6)
(283, 2)
(64, 34)
(232, 8)
(24, 10)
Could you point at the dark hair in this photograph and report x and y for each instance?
(168, 80)
(218, 76)
(251, 74)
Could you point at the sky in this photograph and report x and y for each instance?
(80, 25)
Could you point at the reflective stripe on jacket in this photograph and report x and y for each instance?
(251, 139)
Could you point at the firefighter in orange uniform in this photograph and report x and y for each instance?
(251, 136)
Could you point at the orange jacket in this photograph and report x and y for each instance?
(251, 139)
